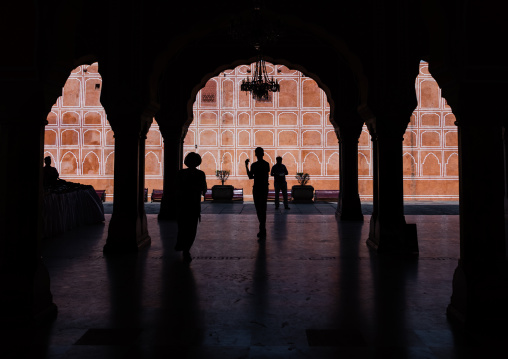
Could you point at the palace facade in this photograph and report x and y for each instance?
(228, 124)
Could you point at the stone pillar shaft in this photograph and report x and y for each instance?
(480, 283)
(25, 290)
(173, 152)
(388, 229)
(349, 206)
(127, 229)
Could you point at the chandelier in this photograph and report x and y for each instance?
(260, 85)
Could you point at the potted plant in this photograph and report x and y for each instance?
(302, 193)
(222, 192)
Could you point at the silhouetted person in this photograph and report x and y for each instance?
(259, 171)
(279, 172)
(191, 184)
(49, 174)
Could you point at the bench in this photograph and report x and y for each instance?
(326, 195)
(271, 195)
(157, 195)
(101, 193)
(237, 194)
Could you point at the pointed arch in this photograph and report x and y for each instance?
(431, 166)
(311, 164)
(91, 164)
(152, 164)
(69, 164)
(333, 165)
(409, 167)
(227, 163)
(109, 167)
(452, 165)
(241, 164)
(363, 165)
(208, 163)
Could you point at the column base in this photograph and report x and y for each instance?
(349, 216)
(26, 299)
(479, 301)
(349, 208)
(401, 241)
(125, 245)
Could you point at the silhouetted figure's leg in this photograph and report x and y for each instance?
(260, 201)
(277, 191)
(284, 189)
(187, 228)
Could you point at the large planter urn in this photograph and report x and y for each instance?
(222, 193)
(302, 194)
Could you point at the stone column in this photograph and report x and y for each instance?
(173, 152)
(141, 193)
(349, 206)
(127, 229)
(388, 230)
(25, 288)
(480, 282)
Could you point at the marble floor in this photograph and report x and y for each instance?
(312, 290)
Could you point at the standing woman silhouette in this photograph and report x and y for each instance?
(259, 171)
(191, 184)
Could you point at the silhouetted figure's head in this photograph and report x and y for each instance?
(47, 161)
(278, 159)
(192, 160)
(259, 152)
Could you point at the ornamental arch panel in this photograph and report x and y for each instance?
(208, 138)
(452, 165)
(263, 138)
(291, 164)
(70, 118)
(109, 167)
(93, 92)
(451, 139)
(431, 139)
(227, 162)
(410, 139)
(431, 165)
(69, 164)
(50, 137)
(333, 165)
(409, 167)
(288, 119)
(311, 96)
(69, 138)
(153, 138)
(244, 138)
(93, 118)
(288, 94)
(208, 164)
(227, 138)
(363, 165)
(311, 164)
(91, 164)
(288, 138)
(52, 118)
(92, 138)
(228, 93)
(152, 164)
(311, 138)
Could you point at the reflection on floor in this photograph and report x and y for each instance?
(313, 290)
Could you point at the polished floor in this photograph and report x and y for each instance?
(312, 290)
